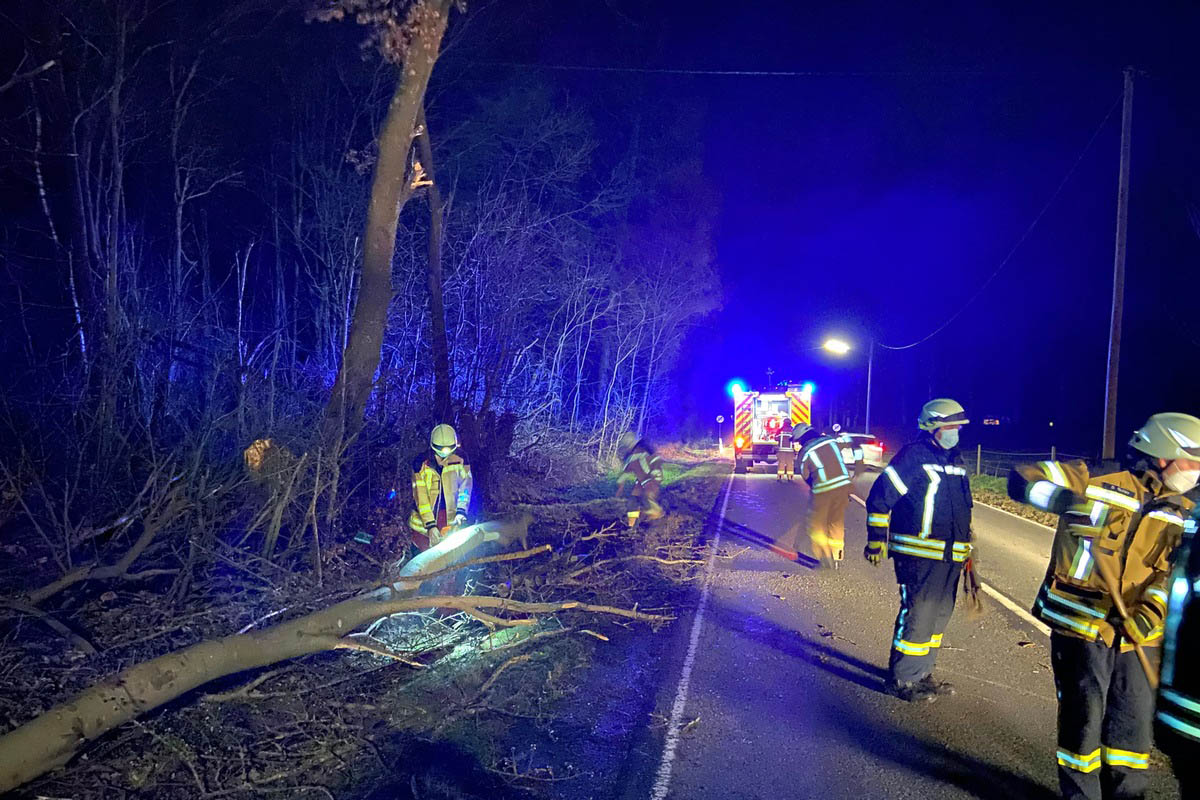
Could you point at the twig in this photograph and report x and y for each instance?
(50, 622)
(244, 691)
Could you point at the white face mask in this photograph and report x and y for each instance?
(1182, 480)
(947, 438)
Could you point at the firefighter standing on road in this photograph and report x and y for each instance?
(919, 513)
(441, 487)
(785, 459)
(1105, 595)
(1178, 733)
(643, 469)
(822, 467)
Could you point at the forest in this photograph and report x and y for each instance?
(250, 254)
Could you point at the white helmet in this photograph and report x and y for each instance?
(443, 440)
(941, 412)
(1169, 436)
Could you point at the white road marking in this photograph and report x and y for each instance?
(995, 594)
(1014, 516)
(662, 781)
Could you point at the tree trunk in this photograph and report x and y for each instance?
(437, 310)
(390, 190)
(55, 736)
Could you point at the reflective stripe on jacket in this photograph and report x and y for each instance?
(1124, 519)
(921, 504)
(642, 466)
(434, 491)
(1179, 694)
(822, 465)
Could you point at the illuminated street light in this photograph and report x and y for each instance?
(838, 347)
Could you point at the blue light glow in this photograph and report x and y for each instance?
(735, 387)
(809, 388)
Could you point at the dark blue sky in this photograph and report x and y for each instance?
(874, 197)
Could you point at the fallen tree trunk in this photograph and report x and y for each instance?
(52, 738)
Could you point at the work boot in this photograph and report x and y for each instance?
(935, 686)
(917, 692)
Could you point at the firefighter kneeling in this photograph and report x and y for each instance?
(919, 513)
(643, 469)
(1105, 598)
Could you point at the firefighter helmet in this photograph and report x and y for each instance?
(941, 412)
(1169, 436)
(627, 442)
(800, 430)
(443, 440)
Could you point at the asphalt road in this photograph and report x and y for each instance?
(785, 667)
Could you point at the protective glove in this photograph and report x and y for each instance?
(875, 552)
(460, 519)
(1137, 626)
(432, 532)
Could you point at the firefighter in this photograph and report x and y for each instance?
(1105, 596)
(1178, 720)
(441, 486)
(642, 468)
(822, 467)
(919, 514)
(785, 463)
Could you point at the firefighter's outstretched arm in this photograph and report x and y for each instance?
(887, 490)
(1051, 486)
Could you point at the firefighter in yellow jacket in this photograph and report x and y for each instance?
(643, 468)
(1115, 536)
(822, 468)
(441, 486)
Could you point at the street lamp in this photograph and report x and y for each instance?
(841, 347)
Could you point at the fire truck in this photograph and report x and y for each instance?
(758, 419)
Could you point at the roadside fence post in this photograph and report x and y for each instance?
(1053, 453)
(978, 457)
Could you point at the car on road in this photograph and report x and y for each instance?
(862, 448)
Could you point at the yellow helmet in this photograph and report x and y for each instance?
(443, 440)
(627, 442)
(941, 412)
(1169, 436)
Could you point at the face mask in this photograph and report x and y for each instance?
(1182, 480)
(947, 438)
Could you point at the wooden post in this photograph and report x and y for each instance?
(978, 457)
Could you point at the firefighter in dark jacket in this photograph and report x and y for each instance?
(643, 468)
(1178, 721)
(822, 468)
(1105, 597)
(919, 513)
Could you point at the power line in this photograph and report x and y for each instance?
(759, 73)
(1020, 241)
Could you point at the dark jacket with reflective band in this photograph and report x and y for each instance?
(822, 465)
(1179, 693)
(643, 466)
(1122, 518)
(921, 504)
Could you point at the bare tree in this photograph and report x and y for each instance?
(409, 37)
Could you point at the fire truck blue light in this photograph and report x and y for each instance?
(735, 387)
(809, 388)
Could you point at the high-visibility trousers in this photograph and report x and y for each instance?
(643, 501)
(785, 465)
(928, 589)
(827, 523)
(1105, 719)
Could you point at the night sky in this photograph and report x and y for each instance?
(875, 194)
(877, 191)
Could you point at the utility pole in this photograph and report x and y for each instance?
(870, 363)
(1108, 451)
